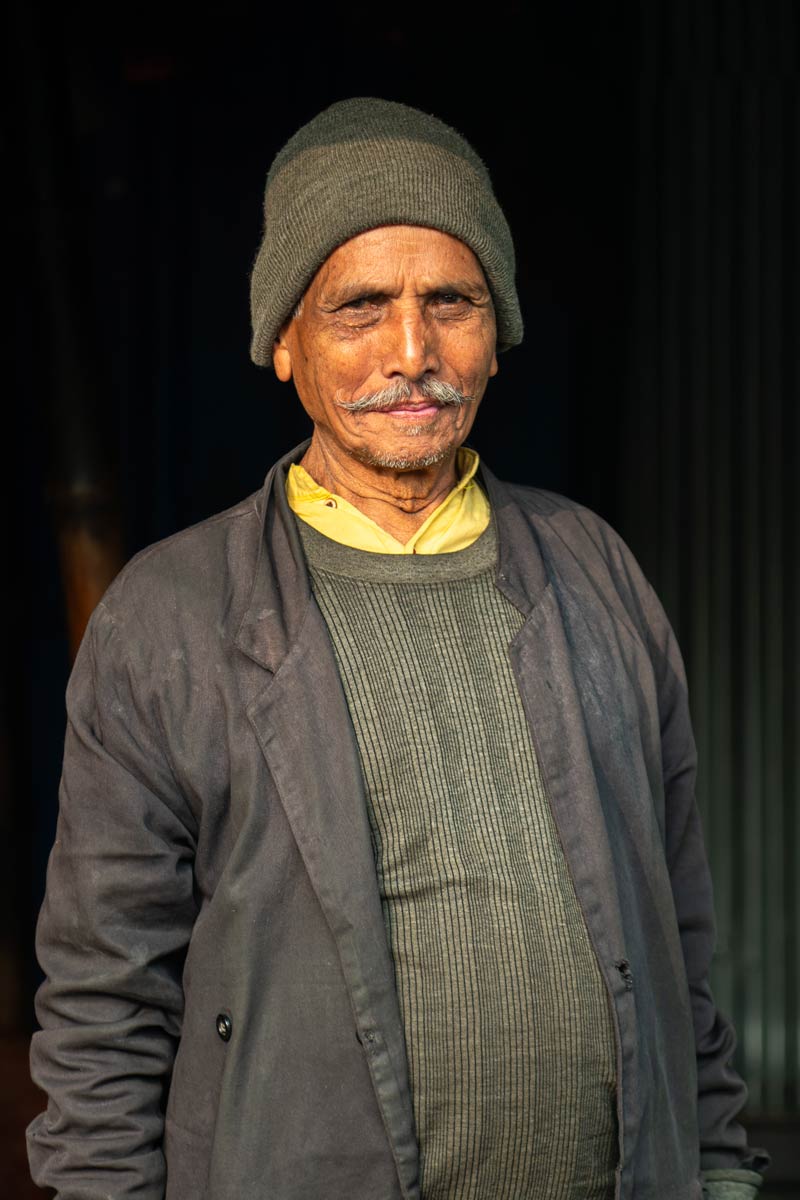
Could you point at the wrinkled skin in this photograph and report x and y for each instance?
(395, 303)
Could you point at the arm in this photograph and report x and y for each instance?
(111, 938)
(729, 1165)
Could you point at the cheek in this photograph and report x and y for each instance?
(335, 382)
(349, 374)
(472, 351)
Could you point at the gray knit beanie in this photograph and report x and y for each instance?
(363, 163)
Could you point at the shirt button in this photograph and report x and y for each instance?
(224, 1026)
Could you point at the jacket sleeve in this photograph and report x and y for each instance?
(721, 1091)
(111, 938)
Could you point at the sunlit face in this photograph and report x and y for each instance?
(390, 316)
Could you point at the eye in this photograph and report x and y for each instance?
(358, 312)
(361, 303)
(448, 297)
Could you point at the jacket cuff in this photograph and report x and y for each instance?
(731, 1184)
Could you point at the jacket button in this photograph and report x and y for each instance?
(224, 1026)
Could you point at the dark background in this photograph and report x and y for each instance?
(623, 148)
(160, 138)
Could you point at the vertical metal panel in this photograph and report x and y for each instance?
(696, 536)
(747, 696)
(719, 763)
(671, 293)
(792, 559)
(771, 411)
(713, 407)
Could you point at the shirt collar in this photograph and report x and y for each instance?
(455, 524)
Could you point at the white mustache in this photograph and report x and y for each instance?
(395, 393)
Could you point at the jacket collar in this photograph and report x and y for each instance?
(521, 574)
(270, 625)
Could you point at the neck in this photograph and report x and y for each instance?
(398, 501)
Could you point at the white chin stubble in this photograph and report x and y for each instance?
(407, 460)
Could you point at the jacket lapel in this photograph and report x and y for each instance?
(319, 781)
(545, 668)
(544, 671)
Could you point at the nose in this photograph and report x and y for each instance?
(411, 347)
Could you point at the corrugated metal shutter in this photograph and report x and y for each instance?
(713, 401)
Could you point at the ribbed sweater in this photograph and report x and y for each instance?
(508, 1032)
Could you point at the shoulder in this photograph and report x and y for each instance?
(568, 531)
(585, 558)
(553, 509)
(192, 581)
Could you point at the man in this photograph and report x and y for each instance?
(378, 871)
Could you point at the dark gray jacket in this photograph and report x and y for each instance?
(212, 933)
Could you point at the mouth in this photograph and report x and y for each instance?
(408, 411)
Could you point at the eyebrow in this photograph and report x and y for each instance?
(356, 290)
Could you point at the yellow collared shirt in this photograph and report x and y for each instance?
(458, 521)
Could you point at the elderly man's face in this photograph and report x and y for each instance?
(392, 314)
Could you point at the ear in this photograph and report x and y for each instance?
(281, 357)
(493, 368)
